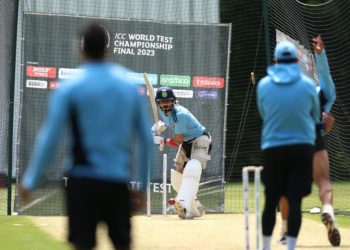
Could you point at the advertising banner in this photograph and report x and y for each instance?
(190, 58)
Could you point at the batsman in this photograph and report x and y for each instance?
(194, 145)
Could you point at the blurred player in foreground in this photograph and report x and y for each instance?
(193, 143)
(326, 92)
(107, 119)
(289, 107)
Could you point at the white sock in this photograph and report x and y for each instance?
(291, 242)
(266, 242)
(328, 208)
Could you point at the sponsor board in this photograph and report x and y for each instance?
(66, 73)
(207, 94)
(183, 93)
(179, 93)
(208, 82)
(175, 80)
(138, 78)
(42, 72)
(36, 84)
(156, 187)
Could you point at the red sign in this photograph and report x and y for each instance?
(208, 82)
(42, 72)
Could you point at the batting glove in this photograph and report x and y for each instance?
(159, 127)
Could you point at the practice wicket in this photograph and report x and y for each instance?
(245, 179)
(164, 184)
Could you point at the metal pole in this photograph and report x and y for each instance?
(11, 110)
(257, 205)
(165, 163)
(245, 177)
(149, 189)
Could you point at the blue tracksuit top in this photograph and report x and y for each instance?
(325, 79)
(108, 120)
(288, 105)
(186, 123)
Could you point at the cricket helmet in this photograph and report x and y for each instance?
(165, 93)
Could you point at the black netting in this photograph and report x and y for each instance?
(301, 21)
(188, 55)
(195, 20)
(7, 31)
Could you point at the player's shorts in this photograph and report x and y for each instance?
(91, 201)
(319, 142)
(288, 170)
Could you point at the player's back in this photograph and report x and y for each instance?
(103, 117)
(289, 107)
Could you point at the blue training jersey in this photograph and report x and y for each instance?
(183, 122)
(108, 122)
(288, 105)
(325, 80)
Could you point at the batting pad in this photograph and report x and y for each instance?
(175, 179)
(190, 183)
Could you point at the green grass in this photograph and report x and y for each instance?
(18, 232)
(3, 199)
(234, 197)
(234, 201)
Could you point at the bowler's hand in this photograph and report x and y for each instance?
(158, 128)
(138, 200)
(318, 44)
(328, 121)
(25, 194)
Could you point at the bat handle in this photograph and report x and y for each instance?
(161, 146)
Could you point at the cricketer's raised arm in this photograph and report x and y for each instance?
(325, 80)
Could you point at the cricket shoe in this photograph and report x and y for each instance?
(180, 210)
(283, 238)
(197, 209)
(328, 220)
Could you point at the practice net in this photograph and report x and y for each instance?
(301, 21)
(172, 54)
(237, 134)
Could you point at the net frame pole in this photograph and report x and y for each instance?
(246, 205)
(266, 31)
(257, 174)
(148, 191)
(165, 168)
(11, 110)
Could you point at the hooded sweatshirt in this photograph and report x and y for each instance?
(288, 105)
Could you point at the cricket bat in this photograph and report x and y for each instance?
(152, 100)
(151, 97)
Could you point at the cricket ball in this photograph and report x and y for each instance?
(171, 201)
